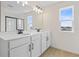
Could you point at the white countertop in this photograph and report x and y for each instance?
(11, 36)
(31, 32)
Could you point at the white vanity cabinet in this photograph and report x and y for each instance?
(18, 47)
(45, 41)
(36, 45)
(48, 40)
(44, 36)
(22, 51)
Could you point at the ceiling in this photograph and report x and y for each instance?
(12, 6)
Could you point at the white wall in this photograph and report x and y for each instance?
(41, 20)
(68, 41)
(37, 19)
(5, 12)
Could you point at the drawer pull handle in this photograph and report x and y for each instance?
(47, 38)
(29, 47)
(32, 46)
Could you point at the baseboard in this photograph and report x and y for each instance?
(66, 51)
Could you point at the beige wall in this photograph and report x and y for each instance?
(64, 40)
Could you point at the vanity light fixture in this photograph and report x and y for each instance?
(37, 9)
(23, 2)
(26, 2)
(18, 2)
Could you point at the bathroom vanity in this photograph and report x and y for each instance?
(24, 45)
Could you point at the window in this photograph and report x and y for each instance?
(66, 18)
(20, 24)
(10, 24)
(29, 21)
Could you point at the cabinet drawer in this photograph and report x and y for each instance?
(22, 51)
(36, 37)
(44, 34)
(43, 46)
(19, 42)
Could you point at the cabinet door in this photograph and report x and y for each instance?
(36, 47)
(43, 42)
(22, 51)
(48, 40)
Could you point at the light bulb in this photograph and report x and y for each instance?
(23, 4)
(36, 10)
(26, 2)
(41, 11)
(18, 2)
